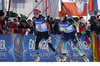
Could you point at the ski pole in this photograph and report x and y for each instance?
(52, 34)
(58, 42)
(68, 54)
(55, 10)
(34, 8)
(64, 7)
(87, 48)
(55, 38)
(70, 46)
(47, 50)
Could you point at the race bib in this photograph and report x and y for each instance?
(41, 27)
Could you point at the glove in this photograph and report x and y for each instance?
(62, 32)
(49, 20)
(79, 35)
(52, 32)
(35, 32)
(5, 32)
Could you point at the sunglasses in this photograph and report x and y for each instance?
(36, 14)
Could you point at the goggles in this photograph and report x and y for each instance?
(36, 14)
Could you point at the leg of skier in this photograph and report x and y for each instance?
(78, 48)
(64, 40)
(48, 40)
(63, 47)
(38, 39)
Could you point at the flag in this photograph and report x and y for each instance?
(46, 5)
(75, 7)
(95, 5)
(95, 47)
(90, 5)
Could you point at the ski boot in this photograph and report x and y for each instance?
(38, 58)
(85, 58)
(57, 58)
(64, 58)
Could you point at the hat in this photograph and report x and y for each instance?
(29, 21)
(76, 19)
(10, 20)
(15, 20)
(98, 17)
(36, 11)
(83, 20)
(92, 18)
(13, 14)
(23, 21)
(61, 14)
(1, 13)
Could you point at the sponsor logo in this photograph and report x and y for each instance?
(41, 45)
(2, 45)
(18, 44)
(74, 40)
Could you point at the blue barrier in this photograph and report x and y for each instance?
(23, 49)
(29, 48)
(18, 48)
(6, 48)
(75, 57)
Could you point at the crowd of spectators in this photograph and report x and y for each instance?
(21, 25)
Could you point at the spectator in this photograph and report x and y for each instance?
(98, 28)
(16, 21)
(23, 27)
(80, 26)
(93, 22)
(30, 24)
(98, 17)
(2, 22)
(55, 27)
(83, 26)
(12, 26)
(84, 31)
(98, 32)
(77, 20)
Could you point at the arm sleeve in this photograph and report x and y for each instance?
(71, 21)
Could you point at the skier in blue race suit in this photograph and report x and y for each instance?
(41, 31)
(68, 32)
